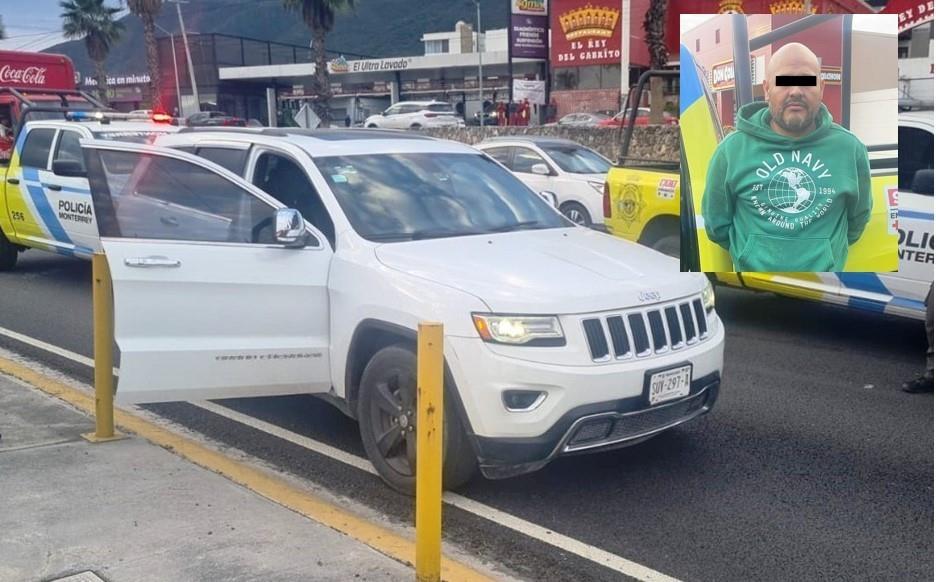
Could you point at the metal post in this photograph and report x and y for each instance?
(742, 61)
(429, 452)
(480, 74)
(188, 53)
(102, 299)
(625, 53)
(846, 70)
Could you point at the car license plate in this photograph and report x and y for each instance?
(670, 384)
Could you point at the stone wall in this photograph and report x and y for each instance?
(657, 142)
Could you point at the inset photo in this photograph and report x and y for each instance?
(789, 142)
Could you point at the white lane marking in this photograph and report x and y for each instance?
(502, 518)
(68, 355)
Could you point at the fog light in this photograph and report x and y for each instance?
(523, 400)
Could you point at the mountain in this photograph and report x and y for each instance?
(374, 28)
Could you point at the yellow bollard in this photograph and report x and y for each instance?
(103, 300)
(429, 453)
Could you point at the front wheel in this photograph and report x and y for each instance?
(387, 415)
(8, 253)
(576, 212)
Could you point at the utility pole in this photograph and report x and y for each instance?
(188, 53)
(175, 67)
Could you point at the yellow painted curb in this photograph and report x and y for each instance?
(273, 488)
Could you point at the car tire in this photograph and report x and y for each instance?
(8, 253)
(415, 126)
(668, 245)
(372, 126)
(389, 381)
(576, 212)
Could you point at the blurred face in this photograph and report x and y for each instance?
(793, 108)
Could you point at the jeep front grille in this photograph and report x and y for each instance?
(645, 332)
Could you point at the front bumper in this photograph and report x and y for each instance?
(595, 427)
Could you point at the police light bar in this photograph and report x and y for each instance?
(108, 116)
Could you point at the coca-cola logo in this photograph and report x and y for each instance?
(23, 76)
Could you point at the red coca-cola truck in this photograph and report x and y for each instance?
(31, 75)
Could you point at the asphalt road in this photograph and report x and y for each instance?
(813, 465)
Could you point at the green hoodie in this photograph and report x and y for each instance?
(787, 204)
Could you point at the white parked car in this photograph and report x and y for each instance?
(416, 115)
(558, 339)
(573, 172)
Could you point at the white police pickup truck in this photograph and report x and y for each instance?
(44, 198)
(302, 262)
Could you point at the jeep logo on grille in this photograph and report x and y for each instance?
(645, 296)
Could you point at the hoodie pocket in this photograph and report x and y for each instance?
(768, 253)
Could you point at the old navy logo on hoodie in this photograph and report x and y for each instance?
(791, 183)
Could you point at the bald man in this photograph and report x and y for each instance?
(789, 190)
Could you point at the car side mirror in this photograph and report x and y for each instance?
(72, 169)
(550, 197)
(289, 228)
(923, 182)
(540, 169)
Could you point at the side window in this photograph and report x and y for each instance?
(285, 180)
(502, 155)
(524, 159)
(36, 149)
(68, 148)
(394, 110)
(154, 197)
(914, 152)
(229, 158)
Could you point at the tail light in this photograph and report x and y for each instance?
(606, 200)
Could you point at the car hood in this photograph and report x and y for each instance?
(555, 271)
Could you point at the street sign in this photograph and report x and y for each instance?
(307, 118)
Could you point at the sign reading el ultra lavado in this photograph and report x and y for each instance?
(342, 65)
(529, 29)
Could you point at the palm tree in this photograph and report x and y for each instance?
(654, 25)
(319, 16)
(94, 22)
(148, 10)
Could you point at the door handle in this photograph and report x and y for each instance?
(169, 220)
(149, 262)
(55, 187)
(13, 181)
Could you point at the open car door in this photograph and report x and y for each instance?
(206, 303)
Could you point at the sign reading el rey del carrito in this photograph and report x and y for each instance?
(585, 34)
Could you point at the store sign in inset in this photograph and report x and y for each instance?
(529, 36)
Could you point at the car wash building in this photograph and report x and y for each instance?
(234, 74)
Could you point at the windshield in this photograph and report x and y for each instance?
(396, 197)
(577, 159)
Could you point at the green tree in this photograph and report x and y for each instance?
(147, 11)
(94, 22)
(654, 25)
(319, 17)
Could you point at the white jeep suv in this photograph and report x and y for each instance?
(416, 115)
(305, 264)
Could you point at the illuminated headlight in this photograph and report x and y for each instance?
(598, 186)
(530, 330)
(708, 296)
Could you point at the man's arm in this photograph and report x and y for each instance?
(859, 207)
(717, 202)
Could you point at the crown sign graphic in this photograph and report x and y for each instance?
(589, 21)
